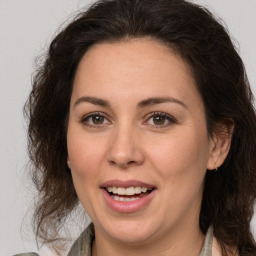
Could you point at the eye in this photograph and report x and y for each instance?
(160, 120)
(95, 120)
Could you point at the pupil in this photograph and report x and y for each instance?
(97, 119)
(159, 120)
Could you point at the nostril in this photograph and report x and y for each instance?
(131, 162)
(112, 162)
(124, 164)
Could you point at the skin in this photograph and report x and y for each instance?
(130, 144)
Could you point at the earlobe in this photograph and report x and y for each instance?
(220, 144)
(68, 162)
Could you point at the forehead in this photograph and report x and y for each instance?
(133, 68)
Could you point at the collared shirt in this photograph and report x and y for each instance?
(83, 245)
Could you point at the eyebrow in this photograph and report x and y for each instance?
(92, 100)
(159, 100)
(141, 104)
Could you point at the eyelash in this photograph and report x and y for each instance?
(170, 119)
(84, 120)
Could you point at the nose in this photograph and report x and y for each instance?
(124, 148)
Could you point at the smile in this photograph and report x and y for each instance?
(127, 196)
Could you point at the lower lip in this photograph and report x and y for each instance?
(127, 207)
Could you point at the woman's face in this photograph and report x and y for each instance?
(137, 124)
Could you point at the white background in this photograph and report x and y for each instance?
(25, 29)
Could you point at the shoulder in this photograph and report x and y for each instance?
(82, 245)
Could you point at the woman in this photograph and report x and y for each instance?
(143, 113)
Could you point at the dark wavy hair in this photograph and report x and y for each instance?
(205, 45)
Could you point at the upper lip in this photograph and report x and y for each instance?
(126, 184)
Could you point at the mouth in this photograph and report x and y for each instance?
(128, 194)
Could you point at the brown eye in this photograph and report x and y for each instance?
(159, 120)
(95, 120)
(98, 119)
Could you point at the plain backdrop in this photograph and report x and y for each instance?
(26, 28)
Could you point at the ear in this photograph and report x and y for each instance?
(220, 143)
(68, 162)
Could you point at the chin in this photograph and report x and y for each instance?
(130, 231)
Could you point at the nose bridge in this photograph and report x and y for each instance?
(124, 149)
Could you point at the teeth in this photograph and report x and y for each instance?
(124, 199)
(110, 189)
(127, 191)
(144, 190)
(121, 191)
(138, 190)
(130, 191)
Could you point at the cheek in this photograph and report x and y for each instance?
(179, 154)
(85, 154)
(181, 162)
